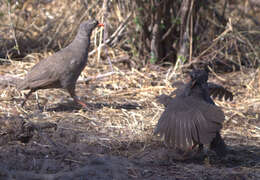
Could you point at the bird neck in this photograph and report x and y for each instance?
(205, 93)
(84, 35)
(200, 90)
(81, 42)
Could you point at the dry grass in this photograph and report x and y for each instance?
(128, 133)
(108, 130)
(135, 86)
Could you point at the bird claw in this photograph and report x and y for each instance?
(84, 105)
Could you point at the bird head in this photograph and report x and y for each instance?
(198, 77)
(87, 27)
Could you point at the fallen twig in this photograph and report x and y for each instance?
(100, 76)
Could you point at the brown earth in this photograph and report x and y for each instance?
(113, 139)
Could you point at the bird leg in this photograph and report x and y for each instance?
(27, 96)
(189, 152)
(193, 146)
(76, 99)
(192, 153)
(200, 148)
(71, 91)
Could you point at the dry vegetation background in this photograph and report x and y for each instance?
(123, 76)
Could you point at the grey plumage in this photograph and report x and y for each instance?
(62, 69)
(191, 118)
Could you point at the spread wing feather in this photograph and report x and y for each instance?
(187, 120)
(214, 90)
(219, 91)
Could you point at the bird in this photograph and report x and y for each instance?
(62, 69)
(191, 118)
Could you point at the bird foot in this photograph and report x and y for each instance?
(84, 105)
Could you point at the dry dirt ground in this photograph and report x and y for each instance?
(113, 138)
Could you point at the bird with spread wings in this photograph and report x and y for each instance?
(191, 118)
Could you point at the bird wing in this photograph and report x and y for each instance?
(187, 121)
(180, 88)
(47, 72)
(214, 90)
(219, 91)
(164, 99)
(42, 74)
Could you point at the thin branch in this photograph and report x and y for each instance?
(100, 76)
(114, 35)
(12, 28)
(105, 9)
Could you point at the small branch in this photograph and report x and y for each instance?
(229, 28)
(105, 10)
(12, 27)
(218, 77)
(86, 80)
(191, 29)
(169, 31)
(114, 35)
(123, 59)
